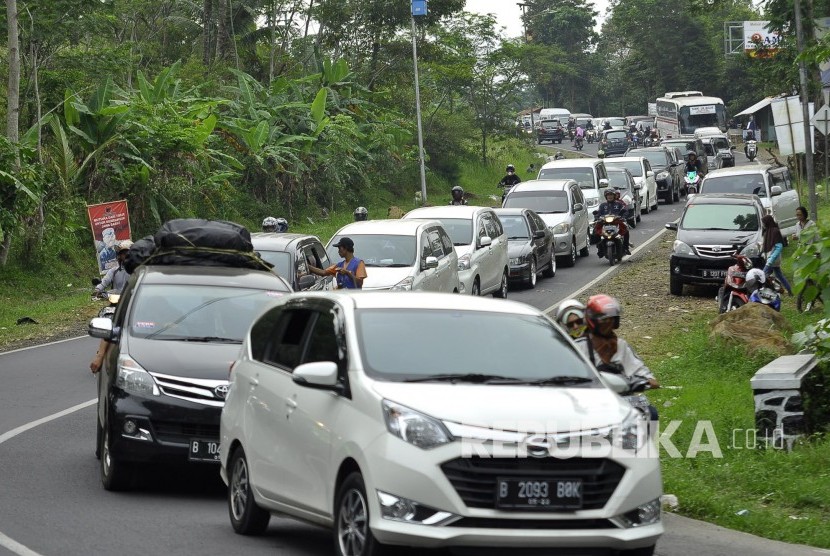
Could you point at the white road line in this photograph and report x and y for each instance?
(7, 542)
(43, 345)
(605, 274)
(28, 426)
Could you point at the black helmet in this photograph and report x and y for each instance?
(269, 224)
(511, 168)
(282, 225)
(360, 213)
(691, 153)
(611, 191)
(457, 192)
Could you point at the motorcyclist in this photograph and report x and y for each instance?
(269, 224)
(570, 315)
(571, 126)
(510, 179)
(693, 164)
(606, 125)
(282, 225)
(117, 276)
(613, 205)
(589, 125)
(558, 155)
(579, 135)
(605, 349)
(458, 196)
(361, 214)
(750, 136)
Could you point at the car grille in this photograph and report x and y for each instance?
(716, 251)
(474, 479)
(490, 523)
(178, 432)
(198, 390)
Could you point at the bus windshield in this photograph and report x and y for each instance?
(693, 117)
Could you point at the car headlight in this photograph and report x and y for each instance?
(464, 262)
(631, 434)
(132, 378)
(516, 261)
(562, 228)
(663, 176)
(752, 250)
(416, 428)
(681, 248)
(592, 202)
(404, 285)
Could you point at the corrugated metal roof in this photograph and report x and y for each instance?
(755, 107)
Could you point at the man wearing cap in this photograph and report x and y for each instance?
(117, 276)
(350, 272)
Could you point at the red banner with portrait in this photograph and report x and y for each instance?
(110, 223)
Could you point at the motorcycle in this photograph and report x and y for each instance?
(767, 291)
(733, 293)
(634, 395)
(578, 143)
(610, 230)
(112, 298)
(692, 181)
(591, 135)
(751, 149)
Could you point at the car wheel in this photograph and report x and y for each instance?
(675, 285)
(676, 195)
(647, 206)
(246, 517)
(656, 203)
(99, 432)
(476, 289)
(501, 293)
(115, 475)
(531, 278)
(570, 259)
(669, 197)
(645, 551)
(632, 223)
(550, 271)
(352, 533)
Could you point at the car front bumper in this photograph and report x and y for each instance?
(700, 270)
(562, 244)
(518, 272)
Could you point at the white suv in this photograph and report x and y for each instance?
(344, 411)
(480, 242)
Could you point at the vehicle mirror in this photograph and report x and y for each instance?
(617, 383)
(637, 186)
(690, 196)
(539, 234)
(671, 225)
(578, 207)
(650, 173)
(101, 327)
(603, 183)
(306, 281)
(595, 213)
(430, 262)
(320, 374)
(485, 241)
(776, 190)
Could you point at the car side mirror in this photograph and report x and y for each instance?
(306, 281)
(321, 375)
(650, 173)
(615, 382)
(637, 186)
(578, 207)
(101, 327)
(776, 190)
(429, 262)
(539, 234)
(671, 225)
(603, 183)
(486, 241)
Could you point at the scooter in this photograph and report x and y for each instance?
(692, 181)
(733, 293)
(591, 135)
(578, 143)
(751, 149)
(768, 293)
(610, 230)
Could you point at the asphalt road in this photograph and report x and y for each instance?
(52, 502)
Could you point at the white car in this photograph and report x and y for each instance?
(480, 242)
(402, 255)
(347, 410)
(589, 173)
(643, 175)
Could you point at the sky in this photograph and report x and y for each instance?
(509, 14)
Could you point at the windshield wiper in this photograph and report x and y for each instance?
(461, 244)
(560, 380)
(470, 377)
(213, 339)
(393, 265)
(518, 237)
(550, 211)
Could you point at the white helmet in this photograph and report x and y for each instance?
(124, 245)
(755, 278)
(568, 307)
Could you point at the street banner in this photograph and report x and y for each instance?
(110, 223)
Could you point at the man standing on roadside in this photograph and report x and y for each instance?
(350, 272)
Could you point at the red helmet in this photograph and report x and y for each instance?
(600, 307)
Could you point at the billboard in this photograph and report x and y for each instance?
(759, 41)
(788, 115)
(110, 224)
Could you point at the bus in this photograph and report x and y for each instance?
(679, 114)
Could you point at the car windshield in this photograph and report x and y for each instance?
(741, 218)
(634, 166)
(583, 121)
(515, 226)
(196, 313)
(616, 135)
(280, 259)
(618, 179)
(750, 184)
(583, 176)
(657, 159)
(542, 202)
(379, 250)
(409, 344)
(460, 230)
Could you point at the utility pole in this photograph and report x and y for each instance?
(523, 7)
(419, 9)
(805, 106)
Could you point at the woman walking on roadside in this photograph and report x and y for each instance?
(773, 245)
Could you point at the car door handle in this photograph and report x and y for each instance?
(291, 403)
(253, 382)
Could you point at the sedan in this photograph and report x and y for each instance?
(643, 175)
(529, 245)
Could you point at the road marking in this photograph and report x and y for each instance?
(43, 345)
(7, 542)
(605, 274)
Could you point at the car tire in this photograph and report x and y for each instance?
(476, 289)
(676, 195)
(99, 432)
(645, 551)
(532, 274)
(669, 197)
(656, 204)
(115, 475)
(675, 285)
(570, 260)
(647, 206)
(501, 293)
(247, 518)
(550, 270)
(352, 531)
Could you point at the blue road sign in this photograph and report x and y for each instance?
(419, 8)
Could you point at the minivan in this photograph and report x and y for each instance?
(773, 185)
(560, 203)
(480, 243)
(402, 255)
(589, 173)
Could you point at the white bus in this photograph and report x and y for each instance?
(679, 114)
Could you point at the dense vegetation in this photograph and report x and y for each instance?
(240, 108)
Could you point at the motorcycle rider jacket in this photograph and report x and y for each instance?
(510, 180)
(618, 208)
